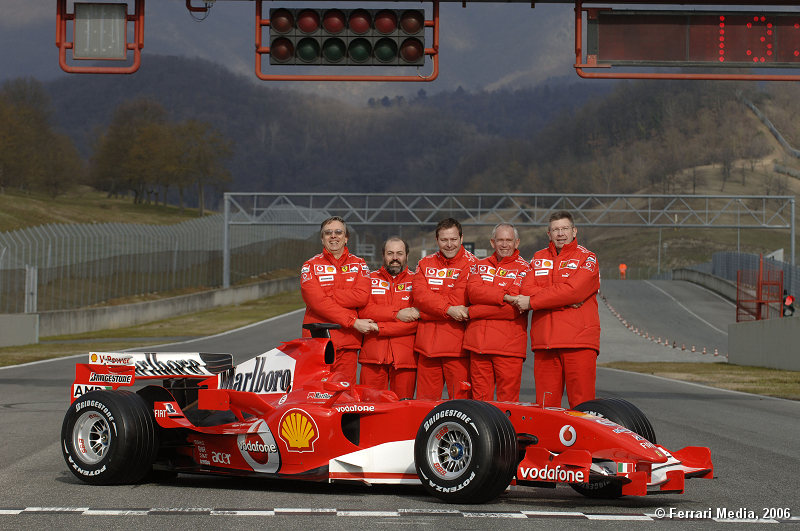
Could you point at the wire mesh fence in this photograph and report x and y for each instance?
(59, 267)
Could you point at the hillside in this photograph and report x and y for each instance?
(19, 210)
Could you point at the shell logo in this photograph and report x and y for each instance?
(93, 358)
(298, 431)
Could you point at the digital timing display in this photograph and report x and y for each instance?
(688, 38)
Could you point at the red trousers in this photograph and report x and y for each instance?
(556, 368)
(487, 371)
(385, 376)
(433, 373)
(345, 361)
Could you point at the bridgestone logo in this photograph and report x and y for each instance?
(448, 413)
(95, 404)
(110, 378)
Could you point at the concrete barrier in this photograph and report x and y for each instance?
(718, 285)
(766, 343)
(18, 329)
(66, 322)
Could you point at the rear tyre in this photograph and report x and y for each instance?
(465, 452)
(626, 415)
(109, 437)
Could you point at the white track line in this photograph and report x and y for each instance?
(685, 308)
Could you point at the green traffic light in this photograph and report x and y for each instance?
(386, 50)
(359, 50)
(308, 50)
(333, 50)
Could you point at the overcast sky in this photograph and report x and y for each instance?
(486, 45)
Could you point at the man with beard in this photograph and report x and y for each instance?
(333, 284)
(497, 333)
(440, 285)
(562, 290)
(387, 354)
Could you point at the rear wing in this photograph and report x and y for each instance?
(111, 370)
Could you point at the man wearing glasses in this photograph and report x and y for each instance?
(333, 285)
(561, 289)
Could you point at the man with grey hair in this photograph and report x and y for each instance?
(497, 333)
(333, 285)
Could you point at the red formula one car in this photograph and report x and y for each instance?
(283, 414)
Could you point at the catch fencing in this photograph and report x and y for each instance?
(60, 267)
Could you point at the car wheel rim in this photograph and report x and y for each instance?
(449, 450)
(91, 437)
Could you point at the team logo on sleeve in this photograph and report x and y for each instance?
(569, 264)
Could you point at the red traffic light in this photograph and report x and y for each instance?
(385, 37)
(308, 20)
(386, 21)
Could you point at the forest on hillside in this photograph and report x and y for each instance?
(564, 136)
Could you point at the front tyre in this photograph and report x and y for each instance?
(465, 452)
(109, 437)
(626, 415)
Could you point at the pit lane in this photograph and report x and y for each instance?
(753, 440)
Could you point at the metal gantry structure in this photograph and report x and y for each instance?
(426, 209)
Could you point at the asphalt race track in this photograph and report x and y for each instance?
(753, 440)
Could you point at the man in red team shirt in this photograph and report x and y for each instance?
(440, 285)
(333, 284)
(561, 289)
(387, 354)
(497, 332)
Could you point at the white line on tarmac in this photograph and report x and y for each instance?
(685, 308)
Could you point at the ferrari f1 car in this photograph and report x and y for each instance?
(284, 414)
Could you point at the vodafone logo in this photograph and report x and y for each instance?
(256, 449)
(552, 474)
(567, 435)
(259, 449)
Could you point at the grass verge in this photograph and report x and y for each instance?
(756, 380)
